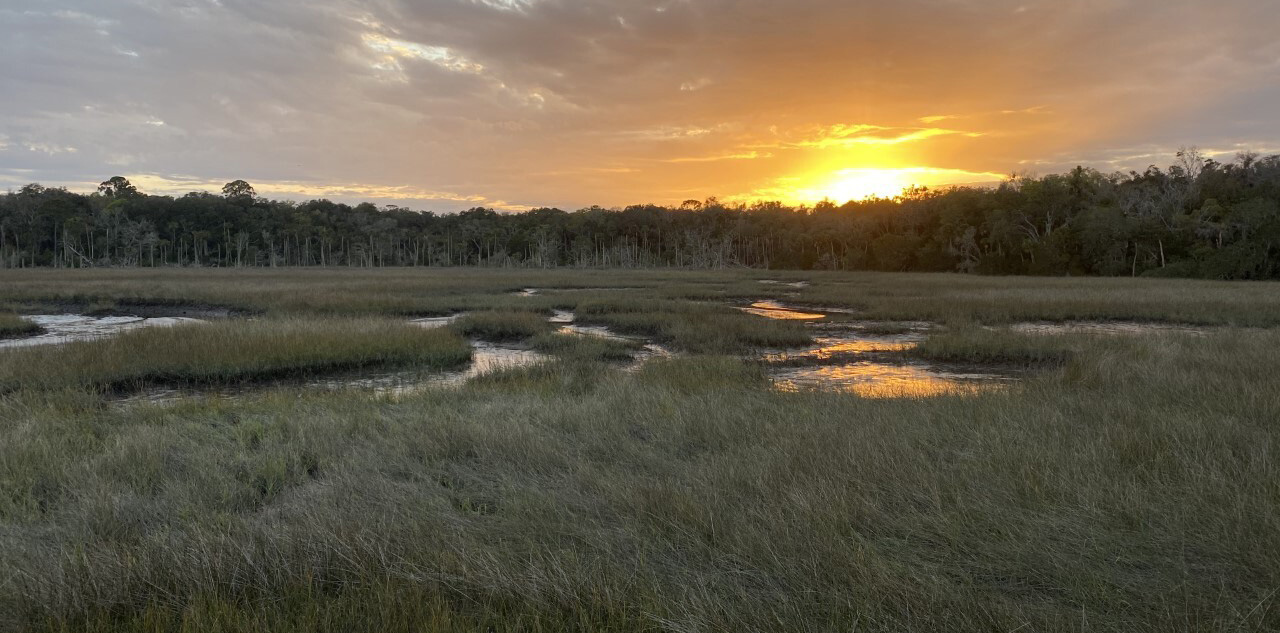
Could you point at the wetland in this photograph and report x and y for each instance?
(906, 451)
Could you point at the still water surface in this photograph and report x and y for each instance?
(848, 357)
(65, 328)
(845, 356)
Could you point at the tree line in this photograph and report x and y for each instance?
(1197, 218)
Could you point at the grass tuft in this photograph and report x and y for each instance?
(694, 327)
(585, 347)
(502, 325)
(12, 325)
(231, 352)
(997, 346)
(1133, 488)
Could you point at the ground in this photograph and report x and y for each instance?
(1129, 482)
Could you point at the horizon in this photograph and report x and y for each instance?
(517, 104)
(214, 190)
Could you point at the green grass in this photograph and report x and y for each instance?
(548, 503)
(231, 352)
(433, 292)
(502, 325)
(585, 347)
(12, 325)
(1129, 484)
(692, 326)
(968, 343)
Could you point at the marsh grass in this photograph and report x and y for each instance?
(12, 325)
(1131, 488)
(442, 291)
(973, 344)
(502, 325)
(692, 326)
(681, 497)
(884, 328)
(585, 347)
(1002, 300)
(231, 352)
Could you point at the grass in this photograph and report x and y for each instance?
(437, 292)
(502, 325)
(585, 347)
(231, 352)
(692, 326)
(12, 325)
(883, 328)
(1130, 484)
(972, 344)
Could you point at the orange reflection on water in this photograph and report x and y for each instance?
(774, 310)
(878, 380)
(832, 347)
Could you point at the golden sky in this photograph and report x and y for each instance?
(447, 104)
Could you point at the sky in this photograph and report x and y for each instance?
(511, 104)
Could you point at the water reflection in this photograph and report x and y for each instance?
(863, 357)
(598, 331)
(775, 310)
(486, 358)
(830, 347)
(432, 323)
(65, 328)
(881, 380)
(647, 351)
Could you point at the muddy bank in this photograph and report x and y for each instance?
(1105, 327)
(645, 349)
(391, 382)
(146, 310)
(57, 329)
(437, 322)
(486, 358)
(791, 284)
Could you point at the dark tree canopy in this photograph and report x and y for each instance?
(116, 187)
(239, 190)
(1198, 218)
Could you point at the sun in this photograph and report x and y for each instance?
(860, 184)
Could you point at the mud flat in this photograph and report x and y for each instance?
(65, 328)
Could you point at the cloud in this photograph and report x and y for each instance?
(711, 159)
(866, 134)
(526, 100)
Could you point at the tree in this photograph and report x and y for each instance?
(117, 187)
(239, 192)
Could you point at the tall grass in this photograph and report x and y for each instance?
(936, 297)
(585, 347)
(692, 326)
(502, 325)
(969, 343)
(1130, 484)
(230, 351)
(1105, 497)
(12, 325)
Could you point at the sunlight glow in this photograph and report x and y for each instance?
(857, 184)
(862, 183)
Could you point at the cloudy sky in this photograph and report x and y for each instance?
(448, 104)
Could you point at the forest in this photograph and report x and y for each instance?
(1196, 218)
